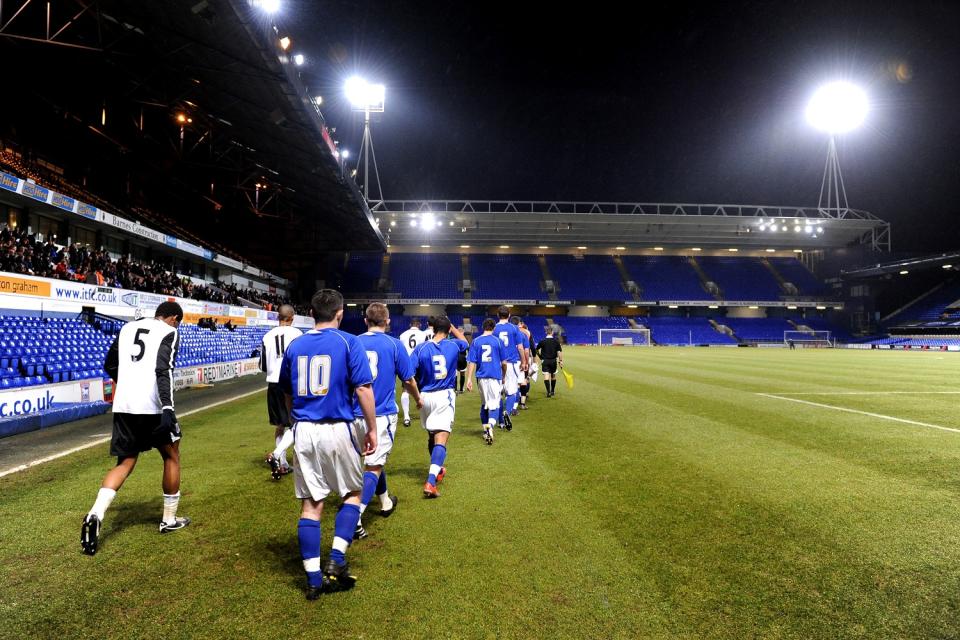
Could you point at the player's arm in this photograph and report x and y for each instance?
(559, 354)
(263, 356)
(503, 370)
(456, 333)
(112, 364)
(471, 369)
(368, 406)
(166, 354)
(410, 386)
(285, 383)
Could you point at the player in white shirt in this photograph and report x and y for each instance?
(411, 338)
(140, 361)
(272, 348)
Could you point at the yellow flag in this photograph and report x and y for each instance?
(568, 377)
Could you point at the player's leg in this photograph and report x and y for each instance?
(340, 460)
(405, 405)
(90, 530)
(546, 382)
(437, 457)
(524, 390)
(171, 488)
(279, 466)
(308, 536)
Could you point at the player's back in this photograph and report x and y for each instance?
(488, 354)
(144, 347)
(436, 364)
(388, 360)
(273, 346)
(510, 337)
(322, 368)
(412, 338)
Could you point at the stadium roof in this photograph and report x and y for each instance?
(256, 165)
(632, 225)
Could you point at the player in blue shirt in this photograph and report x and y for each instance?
(388, 361)
(436, 371)
(524, 380)
(321, 372)
(486, 358)
(516, 356)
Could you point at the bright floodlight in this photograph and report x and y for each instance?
(298, 59)
(345, 154)
(428, 221)
(363, 95)
(838, 107)
(268, 6)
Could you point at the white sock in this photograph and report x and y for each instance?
(104, 498)
(283, 443)
(385, 502)
(405, 403)
(170, 504)
(363, 508)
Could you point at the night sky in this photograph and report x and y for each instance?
(671, 103)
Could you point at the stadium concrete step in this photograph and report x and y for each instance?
(788, 288)
(629, 284)
(545, 272)
(708, 285)
(465, 274)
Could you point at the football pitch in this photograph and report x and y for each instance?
(672, 493)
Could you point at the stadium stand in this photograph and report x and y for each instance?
(586, 277)
(23, 253)
(36, 351)
(794, 272)
(937, 306)
(665, 278)
(425, 276)
(666, 330)
(362, 273)
(512, 276)
(758, 329)
(579, 330)
(741, 278)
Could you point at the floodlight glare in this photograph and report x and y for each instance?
(808, 229)
(428, 221)
(345, 153)
(838, 107)
(267, 6)
(363, 95)
(298, 59)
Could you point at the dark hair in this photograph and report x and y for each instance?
(489, 324)
(431, 320)
(169, 309)
(377, 314)
(440, 324)
(515, 320)
(325, 303)
(503, 311)
(286, 312)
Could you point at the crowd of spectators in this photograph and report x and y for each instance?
(24, 253)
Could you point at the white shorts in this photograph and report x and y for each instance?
(328, 458)
(386, 431)
(438, 410)
(511, 381)
(490, 389)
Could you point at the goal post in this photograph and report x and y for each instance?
(808, 338)
(624, 337)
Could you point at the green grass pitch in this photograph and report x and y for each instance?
(662, 497)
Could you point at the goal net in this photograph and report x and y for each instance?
(807, 338)
(624, 337)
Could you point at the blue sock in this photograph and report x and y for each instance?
(370, 481)
(484, 415)
(494, 415)
(503, 409)
(382, 483)
(343, 527)
(436, 461)
(510, 403)
(308, 531)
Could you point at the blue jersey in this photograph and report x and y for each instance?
(436, 363)
(510, 336)
(487, 353)
(321, 370)
(388, 359)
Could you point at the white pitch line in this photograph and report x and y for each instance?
(862, 413)
(94, 443)
(862, 393)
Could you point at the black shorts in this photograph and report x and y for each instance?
(277, 406)
(133, 433)
(548, 366)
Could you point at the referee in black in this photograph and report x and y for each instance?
(551, 355)
(140, 361)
